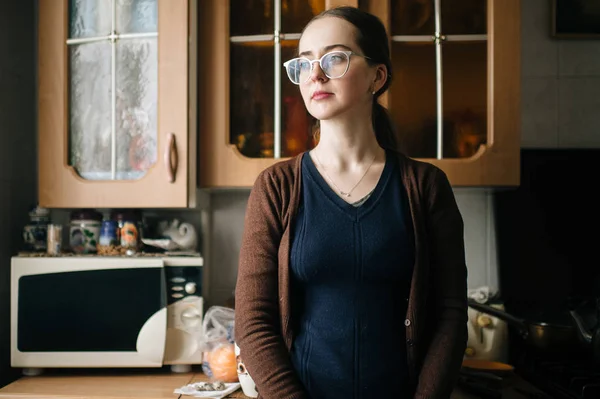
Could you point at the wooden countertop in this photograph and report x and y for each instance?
(105, 384)
(150, 384)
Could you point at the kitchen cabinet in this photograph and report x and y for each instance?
(117, 103)
(455, 97)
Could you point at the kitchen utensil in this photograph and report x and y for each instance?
(183, 234)
(590, 337)
(487, 336)
(541, 336)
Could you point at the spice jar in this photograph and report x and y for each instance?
(129, 235)
(54, 239)
(129, 223)
(108, 243)
(84, 231)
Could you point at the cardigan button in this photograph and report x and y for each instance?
(409, 342)
(407, 322)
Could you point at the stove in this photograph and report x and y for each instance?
(573, 378)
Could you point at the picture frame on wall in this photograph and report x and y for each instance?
(576, 19)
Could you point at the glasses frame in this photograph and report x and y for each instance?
(348, 54)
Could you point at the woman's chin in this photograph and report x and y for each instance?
(324, 114)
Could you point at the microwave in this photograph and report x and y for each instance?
(93, 311)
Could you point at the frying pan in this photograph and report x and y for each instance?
(541, 336)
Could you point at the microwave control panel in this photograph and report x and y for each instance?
(185, 310)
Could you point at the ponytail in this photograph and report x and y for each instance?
(383, 127)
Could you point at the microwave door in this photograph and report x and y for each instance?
(89, 312)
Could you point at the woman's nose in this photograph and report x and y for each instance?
(317, 73)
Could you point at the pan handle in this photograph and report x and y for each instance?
(502, 315)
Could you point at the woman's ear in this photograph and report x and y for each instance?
(381, 76)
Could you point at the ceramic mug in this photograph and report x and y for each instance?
(247, 383)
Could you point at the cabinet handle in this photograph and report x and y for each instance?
(171, 159)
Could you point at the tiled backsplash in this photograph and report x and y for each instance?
(227, 224)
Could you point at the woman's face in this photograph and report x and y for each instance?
(333, 98)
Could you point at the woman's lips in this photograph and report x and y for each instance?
(320, 95)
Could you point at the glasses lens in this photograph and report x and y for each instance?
(298, 70)
(335, 64)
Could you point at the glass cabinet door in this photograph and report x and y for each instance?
(106, 138)
(439, 95)
(113, 79)
(455, 91)
(268, 118)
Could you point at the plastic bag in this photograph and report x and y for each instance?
(217, 343)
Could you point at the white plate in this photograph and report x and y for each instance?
(191, 391)
(163, 243)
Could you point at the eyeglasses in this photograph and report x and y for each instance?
(334, 65)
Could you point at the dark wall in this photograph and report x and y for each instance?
(18, 155)
(547, 231)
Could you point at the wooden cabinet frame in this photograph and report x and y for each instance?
(222, 165)
(59, 185)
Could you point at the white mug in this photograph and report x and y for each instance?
(247, 383)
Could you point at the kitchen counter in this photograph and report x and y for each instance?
(159, 384)
(104, 384)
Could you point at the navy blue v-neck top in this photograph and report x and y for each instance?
(350, 272)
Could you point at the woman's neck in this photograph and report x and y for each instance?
(345, 145)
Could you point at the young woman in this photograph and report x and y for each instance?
(352, 275)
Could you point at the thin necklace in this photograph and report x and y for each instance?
(343, 193)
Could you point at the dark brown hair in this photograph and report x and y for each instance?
(373, 41)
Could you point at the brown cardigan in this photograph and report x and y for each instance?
(436, 320)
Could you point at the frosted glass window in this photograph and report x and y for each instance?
(113, 52)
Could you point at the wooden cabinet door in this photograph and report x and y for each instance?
(456, 89)
(113, 104)
(250, 115)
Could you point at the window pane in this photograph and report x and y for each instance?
(137, 16)
(136, 107)
(252, 98)
(89, 18)
(464, 97)
(296, 122)
(90, 112)
(252, 17)
(464, 17)
(413, 98)
(413, 17)
(295, 14)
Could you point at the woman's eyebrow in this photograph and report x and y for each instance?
(325, 49)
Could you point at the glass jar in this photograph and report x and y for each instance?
(108, 244)
(54, 239)
(130, 235)
(84, 231)
(129, 221)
